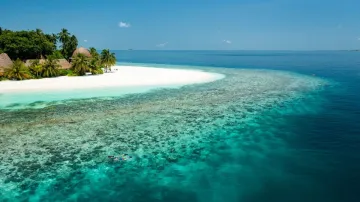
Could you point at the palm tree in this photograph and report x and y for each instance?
(64, 35)
(93, 52)
(39, 31)
(18, 71)
(95, 62)
(95, 66)
(36, 68)
(107, 59)
(80, 64)
(50, 68)
(71, 46)
(69, 43)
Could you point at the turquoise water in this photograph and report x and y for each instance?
(43, 98)
(271, 130)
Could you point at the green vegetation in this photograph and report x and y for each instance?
(36, 69)
(95, 66)
(36, 45)
(18, 71)
(69, 43)
(50, 68)
(57, 55)
(107, 59)
(27, 44)
(82, 64)
(94, 53)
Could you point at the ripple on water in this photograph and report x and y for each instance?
(201, 142)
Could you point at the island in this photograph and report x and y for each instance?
(33, 69)
(34, 55)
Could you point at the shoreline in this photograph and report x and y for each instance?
(121, 76)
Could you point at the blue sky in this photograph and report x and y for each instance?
(194, 24)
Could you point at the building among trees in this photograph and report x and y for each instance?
(5, 62)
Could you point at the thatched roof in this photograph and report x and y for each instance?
(64, 64)
(5, 62)
(83, 51)
(30, 61)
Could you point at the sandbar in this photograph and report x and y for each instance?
(120, 76)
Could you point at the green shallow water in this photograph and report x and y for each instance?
(220, 141)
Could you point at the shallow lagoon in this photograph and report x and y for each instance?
(220, 141)
(123, 80)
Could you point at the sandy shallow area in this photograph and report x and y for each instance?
(121, 76)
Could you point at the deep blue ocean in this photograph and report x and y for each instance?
(332, 136)
(258, 135)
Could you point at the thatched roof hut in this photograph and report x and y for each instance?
(5, 62)
(83, 51)
(30, 61)
(64, 64)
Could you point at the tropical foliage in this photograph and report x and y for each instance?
(27, 44)
(34, 44)
(107, 59)
(80, 64)
(94, 52)
(50, 68)
(36, 69)
(57, 55)
(18, 71)
(68, 43)
(95, 66)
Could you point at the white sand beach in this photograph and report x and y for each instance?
(121, 76)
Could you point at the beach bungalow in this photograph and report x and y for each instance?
(5, 62)
(81, 50)
(64, 64)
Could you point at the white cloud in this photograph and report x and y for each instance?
(124, 24)
(162, 44)
(85, 40)
(227, 41)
